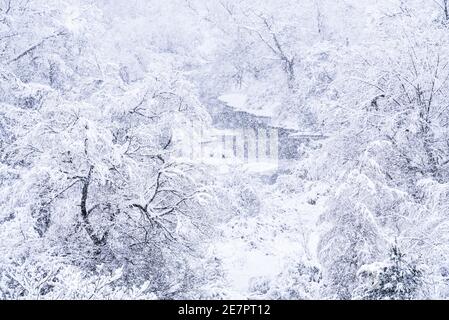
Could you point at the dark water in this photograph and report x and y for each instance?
(226, 117)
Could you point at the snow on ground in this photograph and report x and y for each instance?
(235, 100)
(259, 246)
(240, 102)
(270, 109)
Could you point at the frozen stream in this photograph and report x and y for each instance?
(261, 246)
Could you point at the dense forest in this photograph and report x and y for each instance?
(97, 203)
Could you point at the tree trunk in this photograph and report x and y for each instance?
(85, 213)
